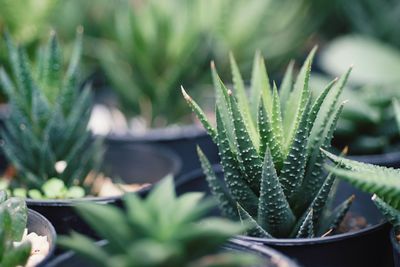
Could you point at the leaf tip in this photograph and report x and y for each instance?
(185, 95)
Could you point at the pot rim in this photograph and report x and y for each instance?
(169, 133)
(264, 251)
(53, 234)
(290, 241)
(395, 243)
(315, 240)
(175, 160)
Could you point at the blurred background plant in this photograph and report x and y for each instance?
(27, 21)
(367, 124)
(147, 51)
(377, 19)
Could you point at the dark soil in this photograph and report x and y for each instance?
(351, 223)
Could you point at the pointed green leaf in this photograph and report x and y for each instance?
(286, 86)
(297, 101)
(238, 187)
(336, 217)
(249, 161)
(200, 115)
(314, 175)
(306, 229)
(292, 173)
(268, 138)
(243, 103)
(274, 213)
(225, 202)
(254, 229)
(391, 214)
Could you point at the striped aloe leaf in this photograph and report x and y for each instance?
(270, 145)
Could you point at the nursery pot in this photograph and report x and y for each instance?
(271, 258)
(367, 247)
(41, 226)
(131, 164)
(396, 248)
(181, 140)
(62, 215)
(139, 163)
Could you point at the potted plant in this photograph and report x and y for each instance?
(367, 124)
(162, 230)
(146, 52)
(45, 138)
(383, 182)
(273, 174)
(27, 238)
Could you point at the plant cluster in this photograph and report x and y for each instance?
(46, 134)
(270, 147)
(13, 220)
(367, 123)
(383, 182)
(25, 20)
(147, 51)
(377, 19)
(161, 230)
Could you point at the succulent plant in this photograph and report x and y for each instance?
(366, 125)
(25, 20)
(269, 144)
(149, 52)
(13, 220)
(376, 19)
(383, 182)
(283, 28)
(161, 230)
(46, 134)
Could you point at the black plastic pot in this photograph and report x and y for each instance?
(396, 248)
(41, 226)
(131, 163)
(181, 140)
(391, 159)
(63, 216)
(139, 163)
(272, 257)
(368, 247)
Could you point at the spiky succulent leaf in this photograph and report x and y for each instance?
(225, 200)
(254, 228)
(291, 176)
(384, 182)
(274, 213)
(249, 160)
(297, 101)
(268, 138)
(306, 229)
(161, 230)
(238, 187)
(200, 114)
(314, 178)
(286, 86)
(241, 94)
(333, 220)
(391, 214)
